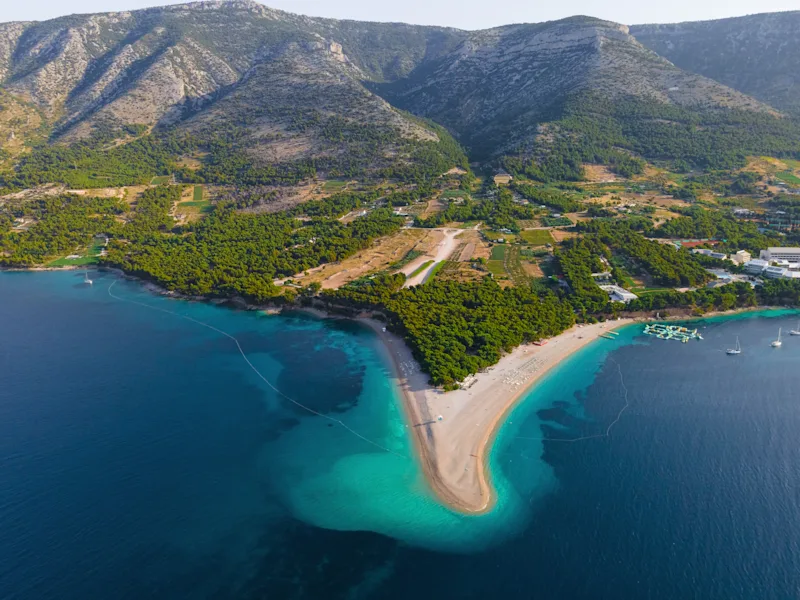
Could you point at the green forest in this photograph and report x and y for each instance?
(498, 212)
(231, 253)
(62, 224)
(456, 329)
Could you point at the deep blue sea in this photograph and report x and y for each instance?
(142, 457)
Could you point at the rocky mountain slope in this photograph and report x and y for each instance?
(497, 86)
(152, 65)
(229, 64)
(758, 55)
(254, 87)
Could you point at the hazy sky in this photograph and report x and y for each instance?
(466, 14)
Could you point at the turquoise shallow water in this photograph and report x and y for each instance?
(140, 453)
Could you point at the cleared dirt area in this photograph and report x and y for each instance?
(33, 193)
(532, 269)
(466, 251)
(660, 200)
(765, 165)
(598, 174)
(383, 253)
(442, 251)
(459, 267)
(102, 192)
(433, 207)
(471, 246)
(192, 162)
(575, 217)
(563, 234)
(459, 271)
(128, 193)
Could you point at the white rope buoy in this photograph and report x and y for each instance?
(590, 437)
(255, 370)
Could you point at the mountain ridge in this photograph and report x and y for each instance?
(756, 54)
(338, 95)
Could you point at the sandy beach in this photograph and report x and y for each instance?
(453, 449)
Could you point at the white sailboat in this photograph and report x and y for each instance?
(86, 279)
(795, 331)
(777, 343)
(737, 349)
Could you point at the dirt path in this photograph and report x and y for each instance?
(442, 252)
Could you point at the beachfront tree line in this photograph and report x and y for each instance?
(56, 226)
(230, 253)
(226, 253)
(455, 329)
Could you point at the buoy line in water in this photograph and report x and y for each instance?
(255, 370)
(597, 435)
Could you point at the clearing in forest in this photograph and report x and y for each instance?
(443, 250)
(90, 256)
(334, 186)
(537, 237)
(788, 177)
(383, 253)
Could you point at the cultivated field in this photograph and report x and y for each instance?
(537, 237)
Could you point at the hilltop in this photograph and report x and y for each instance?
(274, 88)
(235, 92)
(497, 86)
(757, 55)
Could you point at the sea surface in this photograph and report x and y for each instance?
(141, 456)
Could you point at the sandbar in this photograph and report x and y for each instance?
(453, 431)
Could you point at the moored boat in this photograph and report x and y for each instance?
(795, 331)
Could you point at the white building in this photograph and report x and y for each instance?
(618, 294)
(711, 253)
(791, 275)
(790, 254)
(775, 272)
(755, 266)
(741, 257)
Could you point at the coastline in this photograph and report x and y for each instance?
(454, 449)
(453, 432)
